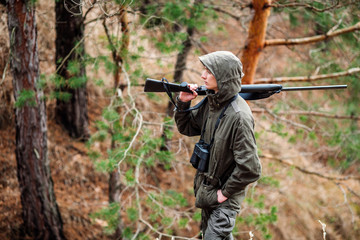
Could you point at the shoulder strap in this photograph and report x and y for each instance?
(202, 102)
(220, 117)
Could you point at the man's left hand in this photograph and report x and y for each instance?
(220, 197)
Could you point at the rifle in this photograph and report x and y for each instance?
(248, 91)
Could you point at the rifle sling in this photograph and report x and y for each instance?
(168, 92)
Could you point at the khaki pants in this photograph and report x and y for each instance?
(217, 224)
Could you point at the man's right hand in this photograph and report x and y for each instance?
(185, 96)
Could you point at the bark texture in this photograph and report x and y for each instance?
(313, 39)
(124, 44)
(119, 56)
(40, 212)
(180, 64)
(71, 114)
(255, 40)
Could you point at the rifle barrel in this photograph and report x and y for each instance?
(313, 88)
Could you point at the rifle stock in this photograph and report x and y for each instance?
(248, 91)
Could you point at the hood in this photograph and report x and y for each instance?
(227, 69)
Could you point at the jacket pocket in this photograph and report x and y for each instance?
(206, 197)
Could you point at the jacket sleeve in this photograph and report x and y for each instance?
(247, 164)
(188, 123)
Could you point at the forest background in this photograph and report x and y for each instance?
(86, 154)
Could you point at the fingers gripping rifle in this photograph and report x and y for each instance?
(248, 91)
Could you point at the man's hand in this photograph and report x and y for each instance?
(185, 96)
(220, 197)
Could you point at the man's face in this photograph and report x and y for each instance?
(209, 80)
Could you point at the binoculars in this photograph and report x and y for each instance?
(200, 157)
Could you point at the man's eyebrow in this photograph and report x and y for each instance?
(208, 70)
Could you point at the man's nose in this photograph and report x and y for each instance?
(203, 75)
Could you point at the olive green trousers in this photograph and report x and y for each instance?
(217, 224)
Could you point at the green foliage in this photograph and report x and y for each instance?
(63, 96)
(129, 177)
(132, 214)
(153, 96)
(293, 20)
(330, 56)
(58, 87)
(298, 136)
(26, 98)
(77, 82)
(110, 115)
(197, 216)
(262, 218)
(348, 140)
(279, 129)
(172, 18)
(183, 222)
(73, 67)
(124, 2)
(128, 233)
(170, 42)
(31, 3)
(174, 198)
(270, 181)
(109, 214)
(116, 132)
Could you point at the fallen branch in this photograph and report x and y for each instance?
(350, 190)
(309, 113)
(309, 78)
(308, 171)
(305, 5)
(276, 117)
(313, 39)
(237, 18)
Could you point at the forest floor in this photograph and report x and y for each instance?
(79, 189)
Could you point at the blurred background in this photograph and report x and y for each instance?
(86, 154)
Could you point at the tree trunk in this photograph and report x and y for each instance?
(40, 212)
(115, 188)
(181, 65)
(71, 114)
(256, 39)
(121, 56)
(178, 76)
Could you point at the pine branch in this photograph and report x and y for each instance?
(309, 78)
(220, 10)
(235, 5)
(310, 113)
(305, 5)
(351, 191)
(303, 170)
(276, 117)
(319, 114)
(313, 39)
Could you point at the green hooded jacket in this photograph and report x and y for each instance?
(233, 162)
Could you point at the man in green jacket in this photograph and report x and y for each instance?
(233, 162)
